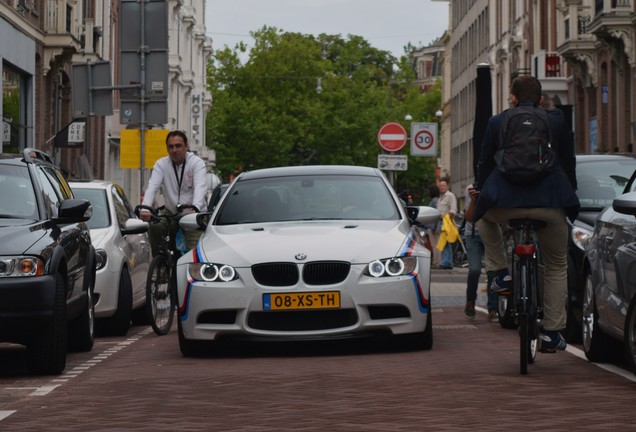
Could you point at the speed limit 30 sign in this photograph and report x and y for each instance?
(424, 139)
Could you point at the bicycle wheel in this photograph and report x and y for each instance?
(160, 303)
(524, 352)
(522, 316)
(533, 302)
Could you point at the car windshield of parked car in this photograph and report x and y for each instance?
(97, 198)
(17, 198)
(296, 198)
(600, 182)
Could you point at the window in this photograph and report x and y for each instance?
(14, 109)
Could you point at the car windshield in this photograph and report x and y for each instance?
(97, 197)
(599, 182)
(17, 198)
(294, 198)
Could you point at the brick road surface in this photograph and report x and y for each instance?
(469, 381)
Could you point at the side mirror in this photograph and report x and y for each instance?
(73, 211)
(422, 215)
(625, 204)
(134, 226)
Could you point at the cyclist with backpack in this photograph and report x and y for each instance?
(527, 170)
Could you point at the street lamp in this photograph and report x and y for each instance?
(438, 113)
(408, 117)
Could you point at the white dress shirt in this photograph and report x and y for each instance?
(185, 185)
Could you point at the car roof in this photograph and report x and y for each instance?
(603, 157)
(310, 170)
(92, 184)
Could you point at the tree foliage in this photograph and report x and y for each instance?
(267, 111)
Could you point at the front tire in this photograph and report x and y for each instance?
(160, 301)
(46, 352)
(630, 337)
(189, 347)
(423, 340)
(506, 311)
(119, 323)
(596, 344)
(524, 339)
(81, 330)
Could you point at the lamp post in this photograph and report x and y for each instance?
(439, 113)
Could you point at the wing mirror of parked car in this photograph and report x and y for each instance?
(73, 211)
(134, 226)
(625, 203)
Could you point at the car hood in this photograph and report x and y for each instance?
(353, 241)
(17, 236)
(99, 236)
(586, 219)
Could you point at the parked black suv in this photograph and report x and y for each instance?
(47, 262)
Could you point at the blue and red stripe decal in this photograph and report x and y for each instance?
(183, 308)
(407, 250)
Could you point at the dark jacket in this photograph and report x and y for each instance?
(557, 189)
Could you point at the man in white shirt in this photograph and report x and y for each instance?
(183, 176)
(447, 204)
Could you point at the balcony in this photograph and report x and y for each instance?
(611, 15)
(61, 32)
(550, 69)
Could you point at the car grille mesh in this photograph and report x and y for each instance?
(314, 273)
(304, 320)
(325, 272)
(276, 274)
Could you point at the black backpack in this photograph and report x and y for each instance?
(525, 153)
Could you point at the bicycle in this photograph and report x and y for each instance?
(161, 283)
(526, 293)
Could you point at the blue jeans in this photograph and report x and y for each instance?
(447, 256)
(475, 251)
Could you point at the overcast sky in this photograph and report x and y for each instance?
(386, 24)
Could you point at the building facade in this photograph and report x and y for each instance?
(42, 41)
(580, 50)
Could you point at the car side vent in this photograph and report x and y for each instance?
(325, 272)
(276, 274)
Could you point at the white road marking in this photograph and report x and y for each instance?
(5, 414)
(580, 354)
(76, 371)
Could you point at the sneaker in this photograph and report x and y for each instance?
(493, 316)
(551, 341)
(502, 285)
(469, 310)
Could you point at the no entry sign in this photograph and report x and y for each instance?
(392, 137)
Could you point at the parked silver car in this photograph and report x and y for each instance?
(609, 301)
(123, 256)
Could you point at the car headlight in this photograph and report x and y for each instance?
(100, 259)
(581, 237)
(21, 266)
(210, 272)
(388, 267)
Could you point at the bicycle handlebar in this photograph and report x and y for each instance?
(155, 213)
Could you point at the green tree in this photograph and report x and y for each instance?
(266, 110)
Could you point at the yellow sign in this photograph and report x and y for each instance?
(130, 147)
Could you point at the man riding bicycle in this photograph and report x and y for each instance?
(183, 176)
(549, 199)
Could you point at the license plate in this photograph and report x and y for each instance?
(303, 300)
